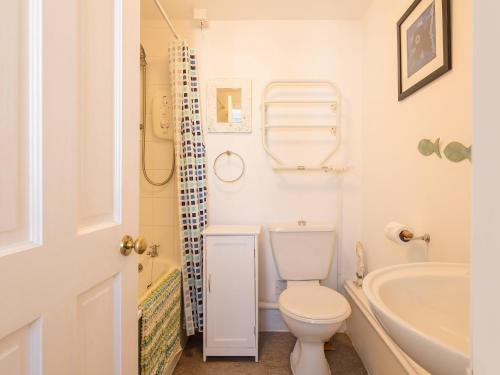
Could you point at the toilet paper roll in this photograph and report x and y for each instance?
(392, 231)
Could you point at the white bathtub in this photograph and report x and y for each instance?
(152, 269)
(379, 353)
(424, 307)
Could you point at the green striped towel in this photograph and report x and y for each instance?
(161, 315)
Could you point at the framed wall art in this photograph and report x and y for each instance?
(424, 45)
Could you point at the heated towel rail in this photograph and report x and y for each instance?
(290, 94)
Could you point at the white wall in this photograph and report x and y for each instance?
(398, 183)
(485, 321)
(263, 51)
(430, 194)
(271, 50)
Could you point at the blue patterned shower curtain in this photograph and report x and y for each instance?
(191, 178)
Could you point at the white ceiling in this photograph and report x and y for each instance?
(259, 9)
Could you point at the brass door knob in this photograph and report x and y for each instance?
(128, 244)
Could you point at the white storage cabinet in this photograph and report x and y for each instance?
(230, 288)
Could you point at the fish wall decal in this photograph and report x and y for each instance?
(456, 152)
(426, 147)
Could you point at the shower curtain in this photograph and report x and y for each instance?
(191, 178)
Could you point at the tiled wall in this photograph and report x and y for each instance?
(158, 204)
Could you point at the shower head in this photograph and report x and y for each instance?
(143, 56)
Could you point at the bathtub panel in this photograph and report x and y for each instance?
(379, 353)
(376, 357)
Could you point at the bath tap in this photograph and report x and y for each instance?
(153, 253)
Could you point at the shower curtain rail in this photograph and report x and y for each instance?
(167, 19)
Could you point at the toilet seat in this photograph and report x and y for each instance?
(314, 304)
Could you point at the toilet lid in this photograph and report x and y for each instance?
(314, 302)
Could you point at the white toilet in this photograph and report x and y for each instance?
(313, 313)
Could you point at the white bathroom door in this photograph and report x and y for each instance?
(69, 86)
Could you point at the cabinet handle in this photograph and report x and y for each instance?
(209, 283)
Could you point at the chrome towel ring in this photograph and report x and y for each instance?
(229, 153)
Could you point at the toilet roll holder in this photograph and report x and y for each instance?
(407, 236)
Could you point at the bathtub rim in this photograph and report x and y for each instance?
(356, 294)
(170, 268)
(378, 303)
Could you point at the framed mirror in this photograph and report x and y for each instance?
(229, 106)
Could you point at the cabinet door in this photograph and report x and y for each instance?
(230, 291)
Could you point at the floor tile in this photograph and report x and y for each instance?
(274, 353)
